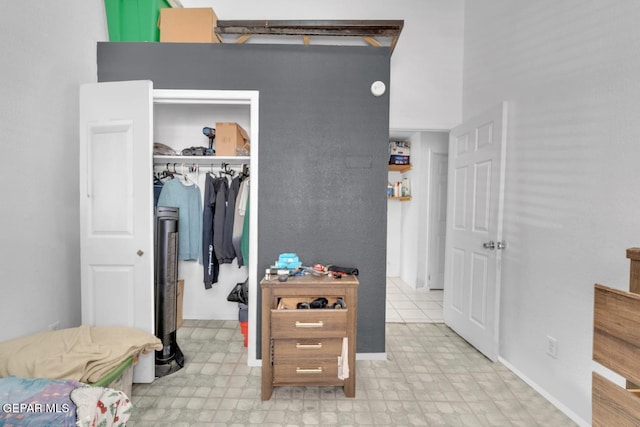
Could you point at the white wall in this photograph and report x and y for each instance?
(570, 72)
(426, 65)
(47, 49)
(416, 270)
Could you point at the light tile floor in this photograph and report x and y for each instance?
(408, 305)
(432, 378)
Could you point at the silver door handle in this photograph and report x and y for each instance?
(501, 245)
(489, 245)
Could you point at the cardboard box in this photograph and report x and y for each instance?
(399, 148)
(188, 25)
(231, 140)
(179, 300)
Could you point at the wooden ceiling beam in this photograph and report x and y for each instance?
(368, 29)
(243, 38)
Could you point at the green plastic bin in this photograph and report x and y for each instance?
(134, 20)
(120, 378)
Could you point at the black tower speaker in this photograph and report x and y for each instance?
(166, 288)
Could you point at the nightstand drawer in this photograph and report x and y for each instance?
(314, 323)
(308, 372)
(304, 348)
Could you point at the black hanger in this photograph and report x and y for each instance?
(226, 170)
(168, 173)
(245, 172)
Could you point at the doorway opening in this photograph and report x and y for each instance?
(415, 231)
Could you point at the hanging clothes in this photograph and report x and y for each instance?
(244, 243)
(187, 198)
(222, 191)
(238, 220)
(209, 258)
(228, 250)
(157, 189)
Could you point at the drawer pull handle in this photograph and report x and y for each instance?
(319, 324)
(306, 346)
(317, 370)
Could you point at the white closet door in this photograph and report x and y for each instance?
(116, 208)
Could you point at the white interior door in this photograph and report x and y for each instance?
(438, 220)
(116, 209)
(474, 229)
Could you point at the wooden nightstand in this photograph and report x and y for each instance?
(300, 347)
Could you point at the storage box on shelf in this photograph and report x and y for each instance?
(188, 25)
(134, 20)
(400, 148)
(302, 346)
(231, 140)
(399, 152)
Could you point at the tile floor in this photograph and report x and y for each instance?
(408, 305)
(431, 377)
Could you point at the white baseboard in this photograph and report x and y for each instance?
(555, 402)
(371, 356)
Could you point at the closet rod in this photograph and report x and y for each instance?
(201, 160)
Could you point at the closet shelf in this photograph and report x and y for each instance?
(201, 160)
(402, 199)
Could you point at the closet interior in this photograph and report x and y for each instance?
(182, 125)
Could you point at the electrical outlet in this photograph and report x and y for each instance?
(552, 346)
(54, 326)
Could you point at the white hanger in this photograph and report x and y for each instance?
(187, 180)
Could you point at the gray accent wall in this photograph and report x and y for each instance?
(323, 148)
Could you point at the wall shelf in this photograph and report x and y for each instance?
(399, 168)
